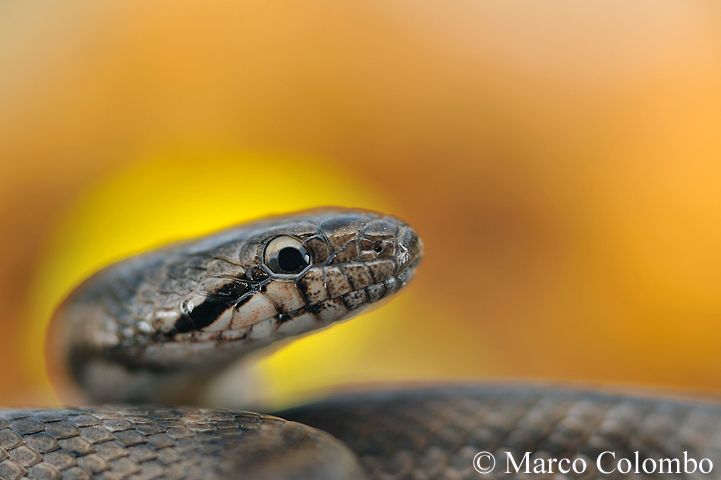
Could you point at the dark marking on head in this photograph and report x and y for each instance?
(232, 288)
(197, 317)
(183, 325)
(202, 315)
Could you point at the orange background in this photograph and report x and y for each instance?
(559, 158)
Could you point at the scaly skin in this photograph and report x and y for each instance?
(434, 432)
(156, 327)
(119, 442)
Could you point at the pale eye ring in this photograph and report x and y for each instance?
(286, 256)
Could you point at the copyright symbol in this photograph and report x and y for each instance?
(484, 462)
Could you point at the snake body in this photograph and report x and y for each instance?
(154, 328)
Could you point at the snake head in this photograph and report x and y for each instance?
(200, 305)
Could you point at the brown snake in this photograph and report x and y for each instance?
(154, 328)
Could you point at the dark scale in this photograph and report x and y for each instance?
(234, 288)
(204, 314)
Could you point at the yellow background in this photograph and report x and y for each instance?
(561, 160)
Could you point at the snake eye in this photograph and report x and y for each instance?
(286, 256)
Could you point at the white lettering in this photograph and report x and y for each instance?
(600, 459)
(608, 463)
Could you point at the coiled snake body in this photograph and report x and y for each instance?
(152, 329)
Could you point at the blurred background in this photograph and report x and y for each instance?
(560, 159)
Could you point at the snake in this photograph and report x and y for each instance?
(140, 341)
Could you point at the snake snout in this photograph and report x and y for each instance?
(410, 252)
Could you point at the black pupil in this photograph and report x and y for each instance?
(291, 260)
